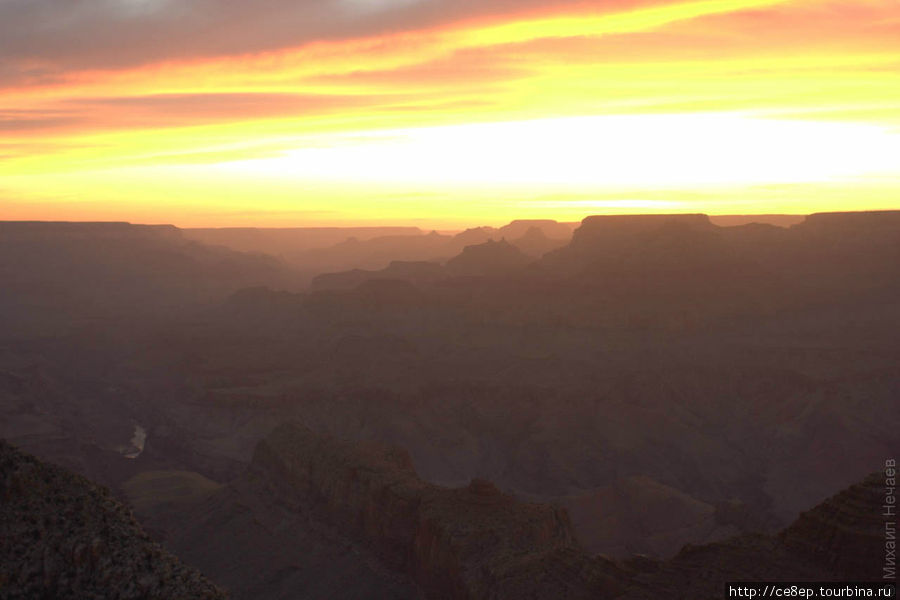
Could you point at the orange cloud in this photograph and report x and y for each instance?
(809, 60)
(168, 110)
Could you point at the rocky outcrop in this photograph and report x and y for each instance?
(377, 252)
(883, 220)
(314, 514)
(641, 244)
(606, 227)
(701, 572)
(290, 243)
(535, 242)
(474, 236)
(845, 533)
(62, 276)
(489, 258)
(548, 227)
(840, 539)
(411, 271)
(63, 537)
(471, 542)
(35, 230)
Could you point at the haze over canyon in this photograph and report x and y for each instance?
(600, 409)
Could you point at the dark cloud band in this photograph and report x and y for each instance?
(39, 38)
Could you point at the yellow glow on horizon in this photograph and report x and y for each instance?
(665, 106)
(653, 151)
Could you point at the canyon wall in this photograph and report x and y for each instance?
(470, 542)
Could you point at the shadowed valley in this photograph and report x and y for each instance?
(539, 410)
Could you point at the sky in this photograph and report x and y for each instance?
(443, 113)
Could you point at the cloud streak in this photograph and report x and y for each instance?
(133, 87)
(53, 36)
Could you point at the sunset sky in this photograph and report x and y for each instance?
(444, 112)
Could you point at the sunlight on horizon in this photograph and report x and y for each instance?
(471, 113)
(595, 152)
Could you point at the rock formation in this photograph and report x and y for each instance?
(845, 533)
(478, 542)
(63, 537)
(534, 242)
(471, 542)
(840, 539)
(489, 258)
(412, 271)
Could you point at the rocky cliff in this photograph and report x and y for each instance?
(840, 539)
(63, 537)
(471, 542)
(489, 258)
(608, 227)
(655, 245)
(845, 533)
(478, 542)
(412, 271)
(868, 221)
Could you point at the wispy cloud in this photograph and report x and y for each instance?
(160, 94)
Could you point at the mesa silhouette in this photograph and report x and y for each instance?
(615, 409)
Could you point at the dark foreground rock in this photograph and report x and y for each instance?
(317, 517)
(841, 539)
(63, 537)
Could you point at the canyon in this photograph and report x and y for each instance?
(649, 397)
